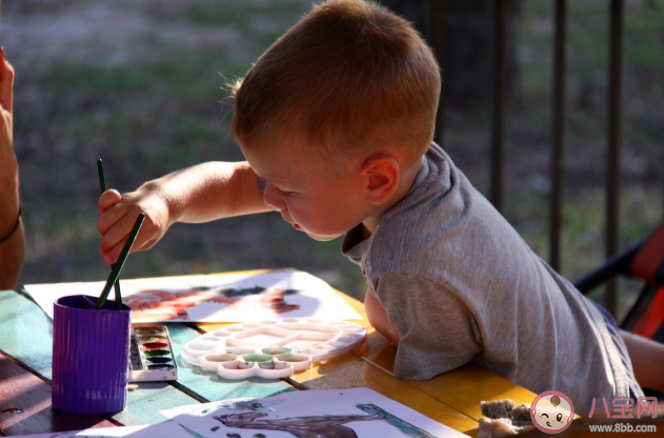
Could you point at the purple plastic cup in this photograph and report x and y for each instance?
(90, 356)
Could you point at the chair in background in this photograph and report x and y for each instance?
(644, 261)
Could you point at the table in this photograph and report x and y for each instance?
(25, 375)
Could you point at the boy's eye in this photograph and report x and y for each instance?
(284, 193)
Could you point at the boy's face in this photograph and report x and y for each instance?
(323, 199)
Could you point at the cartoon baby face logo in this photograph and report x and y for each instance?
(552, 412)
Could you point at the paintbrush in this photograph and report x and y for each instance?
(117, 267)
(102, 186)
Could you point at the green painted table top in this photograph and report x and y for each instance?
(26, 339)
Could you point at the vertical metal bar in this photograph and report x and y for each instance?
(500, 28)
(555, 220)
(437, 28)
(613, 162)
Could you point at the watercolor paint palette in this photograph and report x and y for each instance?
(272, 349)
(151, 354)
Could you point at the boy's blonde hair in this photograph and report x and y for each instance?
(349, 76)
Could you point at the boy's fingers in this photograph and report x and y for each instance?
(112, 255)
(110, 218)
(6, 82)
(108, 199)
(117, 232)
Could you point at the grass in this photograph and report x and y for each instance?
(241, 14)
(147, 118)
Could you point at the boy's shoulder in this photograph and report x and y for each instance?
(443, 218)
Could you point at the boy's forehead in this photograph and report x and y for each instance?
(278, 165)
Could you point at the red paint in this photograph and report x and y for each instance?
(154, 345)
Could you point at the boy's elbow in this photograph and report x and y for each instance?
(390, 332)
(378, 318)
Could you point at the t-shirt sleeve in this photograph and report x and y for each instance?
(413, 304)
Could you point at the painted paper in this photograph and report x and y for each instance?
(348, 413)
(214, 298)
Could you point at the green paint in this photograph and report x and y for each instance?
(155, 353)
(209, 385)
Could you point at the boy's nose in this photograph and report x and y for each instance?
(272, 198)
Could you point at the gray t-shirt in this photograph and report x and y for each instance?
(461, 285)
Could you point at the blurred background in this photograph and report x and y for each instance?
(140, 85)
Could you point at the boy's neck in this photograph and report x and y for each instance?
(405, 183)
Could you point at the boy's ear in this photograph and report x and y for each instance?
(382, 177)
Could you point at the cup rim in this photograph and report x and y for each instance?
(73, 303)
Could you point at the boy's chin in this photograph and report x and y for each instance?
(321, 238)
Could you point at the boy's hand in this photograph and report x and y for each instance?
(201, 193)
(118, 214)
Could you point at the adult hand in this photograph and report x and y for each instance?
(6, 109)
(9, 167)
(12, 239)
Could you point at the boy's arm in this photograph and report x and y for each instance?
(378, 318)
(437, 331)
(647, 357)
(200, 193)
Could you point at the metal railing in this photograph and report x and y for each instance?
(436, 11)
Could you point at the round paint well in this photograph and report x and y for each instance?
(276, 350)
(293, 357)
(220, 357)
(239, 350)
(257, 357)
(156, 353)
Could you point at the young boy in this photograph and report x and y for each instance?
(336, 121)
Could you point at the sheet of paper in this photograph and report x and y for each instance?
(214, 298)
(332, 413)
(168, 429)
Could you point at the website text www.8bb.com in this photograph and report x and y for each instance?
(623, 427)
